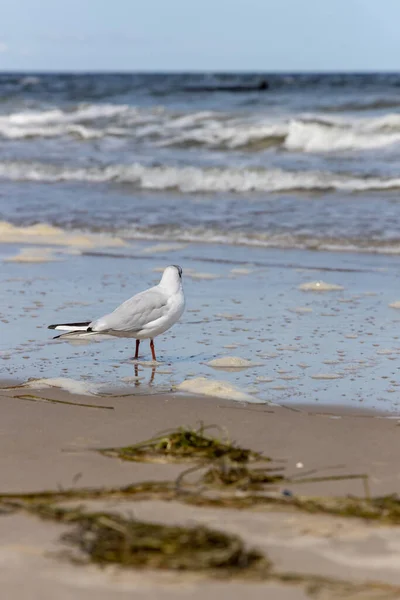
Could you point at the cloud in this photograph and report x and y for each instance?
(3, 47)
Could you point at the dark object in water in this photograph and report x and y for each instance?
(263, 85)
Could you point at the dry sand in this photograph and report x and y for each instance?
(48, 445)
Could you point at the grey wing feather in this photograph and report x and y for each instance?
(133, 314)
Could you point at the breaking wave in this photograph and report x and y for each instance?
(194, 180)
(209, 129)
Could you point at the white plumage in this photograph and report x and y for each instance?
(144, 316)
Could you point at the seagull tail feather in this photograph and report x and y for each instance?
(75, 335)
(71, 326)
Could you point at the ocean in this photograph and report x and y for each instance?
(309, 162)
(260, 186)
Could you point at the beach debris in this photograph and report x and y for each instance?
(107, 538)
(36, 398)
(182, 445)
(110, 539)
(242, 478)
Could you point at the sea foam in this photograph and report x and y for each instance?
(212, 129)
(193, 180)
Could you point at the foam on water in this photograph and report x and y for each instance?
(195, 180)
(33, 255)
(255, 238)
(163, 127)
(162, 248)
(241, 271)
(65, 383)
(56, 122)
(301, 310)
(44, 234)
(326, 376)
(232, 362)
(320, 286)
(318, 137)
(218, 389)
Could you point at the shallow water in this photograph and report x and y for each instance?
(333, 347)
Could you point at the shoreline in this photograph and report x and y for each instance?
(326, 410)
(334, 347)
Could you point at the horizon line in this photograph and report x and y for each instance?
(199, 72)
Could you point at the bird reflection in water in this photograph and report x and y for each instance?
(151, 379)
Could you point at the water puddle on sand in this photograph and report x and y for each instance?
(279, 338)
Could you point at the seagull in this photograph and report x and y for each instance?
(144, 316)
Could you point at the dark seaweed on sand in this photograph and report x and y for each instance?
(110, 538)
(106, 538)
(184, 445)
(241, 477)
(228, 479)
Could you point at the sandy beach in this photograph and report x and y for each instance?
(47, 443)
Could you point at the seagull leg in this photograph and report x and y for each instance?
(153, 354)
(137, 349)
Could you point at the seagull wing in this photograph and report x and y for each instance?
(134, 314)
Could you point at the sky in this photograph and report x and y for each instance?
(200, 35)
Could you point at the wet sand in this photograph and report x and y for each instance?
(48, 444)
(314, 328)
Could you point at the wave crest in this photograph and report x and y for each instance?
(193, 180)
(209, 129)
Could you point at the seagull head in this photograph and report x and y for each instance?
(171, 279)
